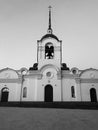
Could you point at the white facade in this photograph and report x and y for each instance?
(49, 80)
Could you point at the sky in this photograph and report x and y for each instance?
(23, 22)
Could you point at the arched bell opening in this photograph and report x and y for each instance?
(49, 51)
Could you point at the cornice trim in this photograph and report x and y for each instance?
(88, 80)
(10, 80)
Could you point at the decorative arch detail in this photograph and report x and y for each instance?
(86, 70)
(42, 69)
(9, 69)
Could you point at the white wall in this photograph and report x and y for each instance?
(85, 90)
(89, 79)
(31, 84)
(53, 80)
(10, 79)
(66, 88)
(14, 90)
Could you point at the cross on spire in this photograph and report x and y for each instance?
(49, 28)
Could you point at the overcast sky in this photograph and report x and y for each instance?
(23, 22)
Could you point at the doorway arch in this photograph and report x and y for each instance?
(48, 96)
(93, 95)
(4, 94)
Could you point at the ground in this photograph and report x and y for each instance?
(14, 118)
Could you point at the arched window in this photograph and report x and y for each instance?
(93, 95)
(24, 92)
(4, 94)
(72, 91)
(49, 51)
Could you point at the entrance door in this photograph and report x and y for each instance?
(4, 95)
(48, 93)
(93, 95)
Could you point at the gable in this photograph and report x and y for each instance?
(89, 73)
(8, 73)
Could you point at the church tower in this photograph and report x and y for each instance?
(49, 48)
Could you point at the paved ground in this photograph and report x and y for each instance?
(47, 119)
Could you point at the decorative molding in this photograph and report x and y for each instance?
(42, 48)
(9, 70)
(88, 80)
(77, 80)
(86, 70)
(43, 68)
(68, 76)
(10, 80)
(37, 76)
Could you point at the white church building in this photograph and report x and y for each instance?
(49, 79)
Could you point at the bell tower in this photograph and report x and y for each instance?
(49, 48)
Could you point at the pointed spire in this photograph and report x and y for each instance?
(49, 28)
(49, 17)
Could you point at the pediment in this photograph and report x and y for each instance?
(8, 73)
(89, 73)
(49, 66)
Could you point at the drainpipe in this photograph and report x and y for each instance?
(22, 80)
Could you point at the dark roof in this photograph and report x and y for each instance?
(49, 35)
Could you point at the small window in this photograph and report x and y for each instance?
(24, 92)
(72, 91)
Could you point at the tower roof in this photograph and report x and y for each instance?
(49, 31)
(49, 35)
